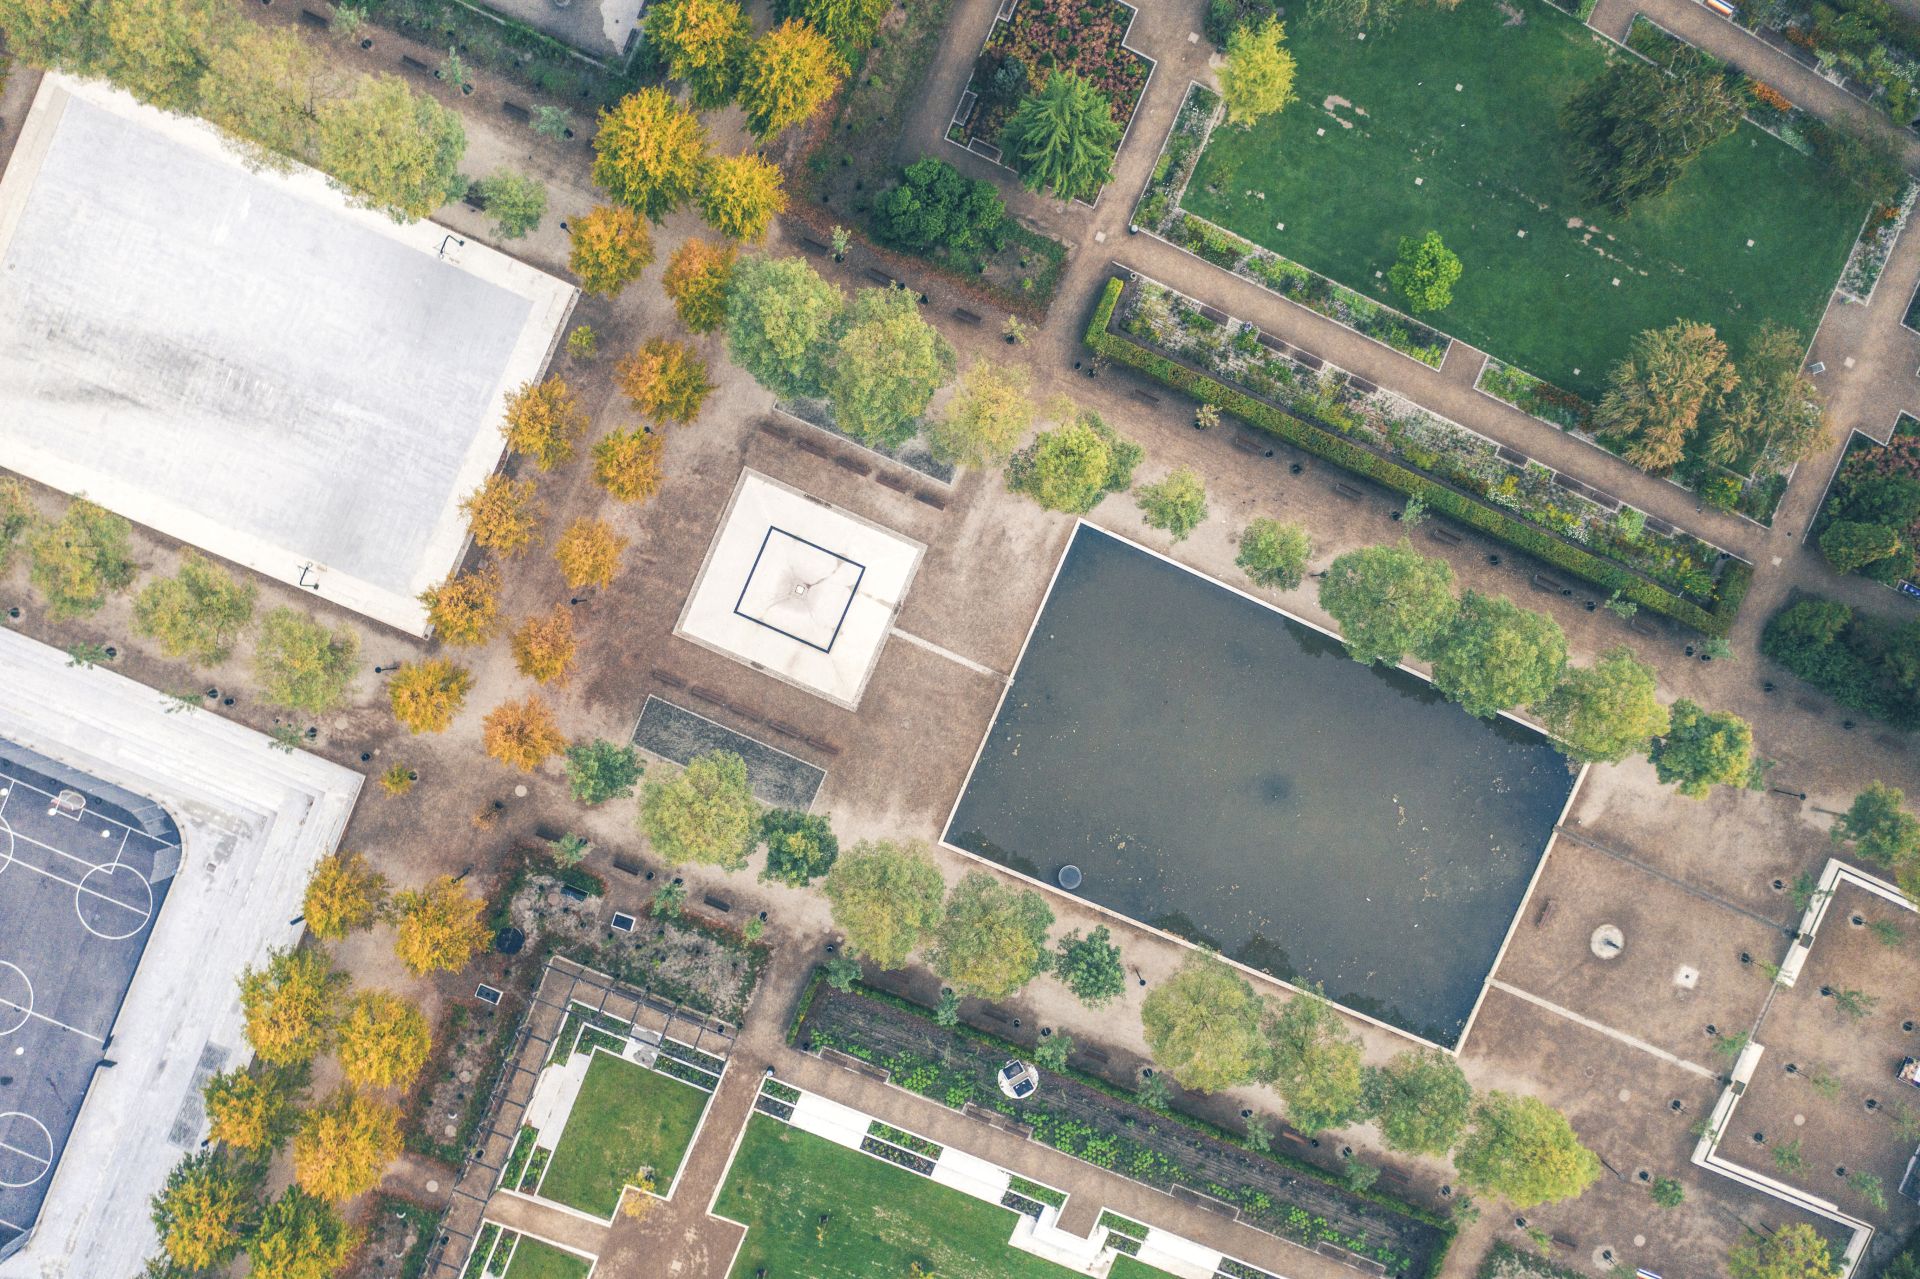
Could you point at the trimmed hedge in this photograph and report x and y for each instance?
(1327, 444)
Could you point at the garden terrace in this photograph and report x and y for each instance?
(1873, 51)
(507, 1254)
(1094, 1120)
(1039, 38)
(1866, 461)
(1450, 122)
(1260, 379)
(625, 1117)
(1860, 660)
(844, 164)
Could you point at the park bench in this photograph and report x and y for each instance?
(720, 904)
(312, 19)
(1659, 526)
(517, 113)
(851, 464)
(1513, 455)
(934, 500)
(1346, 490)
(965, 316)
(822, 745)
(1551, 585)
(1444, 536)
(770, 427)
(879, 277)
(628, 864)
(1308, 360)
(1246, 443)
(1643, 625)
(814, 246)
(668, 678)
(1145, 397)
(1361, 384)
(807, 445)
(892, 481)
(412, 63)
(785, 729)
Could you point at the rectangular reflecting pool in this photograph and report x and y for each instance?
(1219, 770)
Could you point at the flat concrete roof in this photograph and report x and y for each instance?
(598, 28)
(251, 823)
(799, 589)
(239, 359)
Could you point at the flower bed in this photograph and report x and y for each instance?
(1874, 247)
(903, 1139)
(1379, 434)
(535, 1166)
(584, 1030)
(1034, 1190)
(1879, 49)
(1021, 1204)
(780, 1092)
(692, 1056)
(1097, 1122)
(1159, 211)
(516, 1165)
(1044, 36)
(894, 1155)
(686, 1074)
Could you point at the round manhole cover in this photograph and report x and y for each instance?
(1070, 877)
(508, 941)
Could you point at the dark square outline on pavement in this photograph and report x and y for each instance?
(844, 610)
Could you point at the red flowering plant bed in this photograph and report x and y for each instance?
(1044, 36)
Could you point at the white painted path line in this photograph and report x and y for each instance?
(1619, 1035)
(950, 655)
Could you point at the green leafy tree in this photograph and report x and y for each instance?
(885, 367)
(1703, 749)
(514, 201)
(850, 24)
(1075, 466)
(205, 1211)
(1177, 504)
(1879, 826)
(197, 613)
(17, 514)
(301, 1237)
(886, 899)
(705, 44)
(303, 664)
(1850, 546)
(1425, 272)
(1051, 1052)
(1274, 554)
(934, 206)
(706, 814)
(1792, 1252)
(1666, 1192)
(1204, 1026)
(1656, 395)
(1420, 1100)
(1633, 129)
(600, 770)
(1256, 79)
(1090, 966)
(790, 73)
(80, 559)
(1863, 161)
(988, 418)
(1389, 601)
(1495, 655)
(291, 1006)
(993, 938)
(1524, 1151)
(261, 86)
(1062, 139)
(801, 847)
(390, 148)
(1605, 712)
(649, 152)
(782, 319)
(1775, 416)
(1315, 1064)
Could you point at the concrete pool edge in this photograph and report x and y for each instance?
(1485, 981)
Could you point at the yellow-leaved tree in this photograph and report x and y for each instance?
(384, 1041)
(696, 279)
(204, 1212)
(666, 380)
(427, 695)
(627, 464)
(465, 608)
(704, 42)
(589, 553)
(648, 152)
(543, 647)
(544, 421)
(522, 734)
(440, 927)
(504, 515)
(344, 894)
(343, 1146)
(611, 247)
(740, 195)
(790, 72)
(252, 1110)
(291, 1006)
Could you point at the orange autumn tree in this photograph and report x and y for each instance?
(611, 247)
(440, 926)
(589, 553)
(697, 277)
(504, 515)
(427, 695)
(543, 422)
(543, 647)
(627, 465)
(465, 608)
(522, 733)
(666, 380)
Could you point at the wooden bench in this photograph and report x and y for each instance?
(1214, 313)
(1347, 491)
(892, 481)
(1551, 585)
(806, 444)
(814, 246)
(1145, 397)
(770, 427)
(1544, 913)
(1361, 384)
(707, 695)
(1246, 443)
(934, 500)
(1444, 536)
(720, 904)
(517, 113)
(629, 864)
(848, 1062)
(312, 19)
(965, 316)
(822, 745)
(880, 277)
(1513, 455)
(668, 678)
(852, 464)
(1310, 361)
(785, 729)
(1644, 625)
(412, 63)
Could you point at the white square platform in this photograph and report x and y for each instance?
(799, 589)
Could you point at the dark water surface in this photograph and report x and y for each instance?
(1230, 775)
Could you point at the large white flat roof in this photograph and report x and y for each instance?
(800, 589)
(241, 360)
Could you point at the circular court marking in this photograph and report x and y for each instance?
(16, 998)
(6, 844)
(114, 902)
(26, 1150)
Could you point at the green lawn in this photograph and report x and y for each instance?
(1125, 1267)
(1491, 163)
(881, 1219)
(535, 1260)
(626, 1118)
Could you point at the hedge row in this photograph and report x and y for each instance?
(1325, 443)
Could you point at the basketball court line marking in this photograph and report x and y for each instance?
(51, 1021)
(8, 782)
(91, 866)
(42, 1160)
(111, 901)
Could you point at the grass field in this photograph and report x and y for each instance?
(880, 1219)
(535, 1260)
(626, 1118)
(1125, 1267)
(1381, 145)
